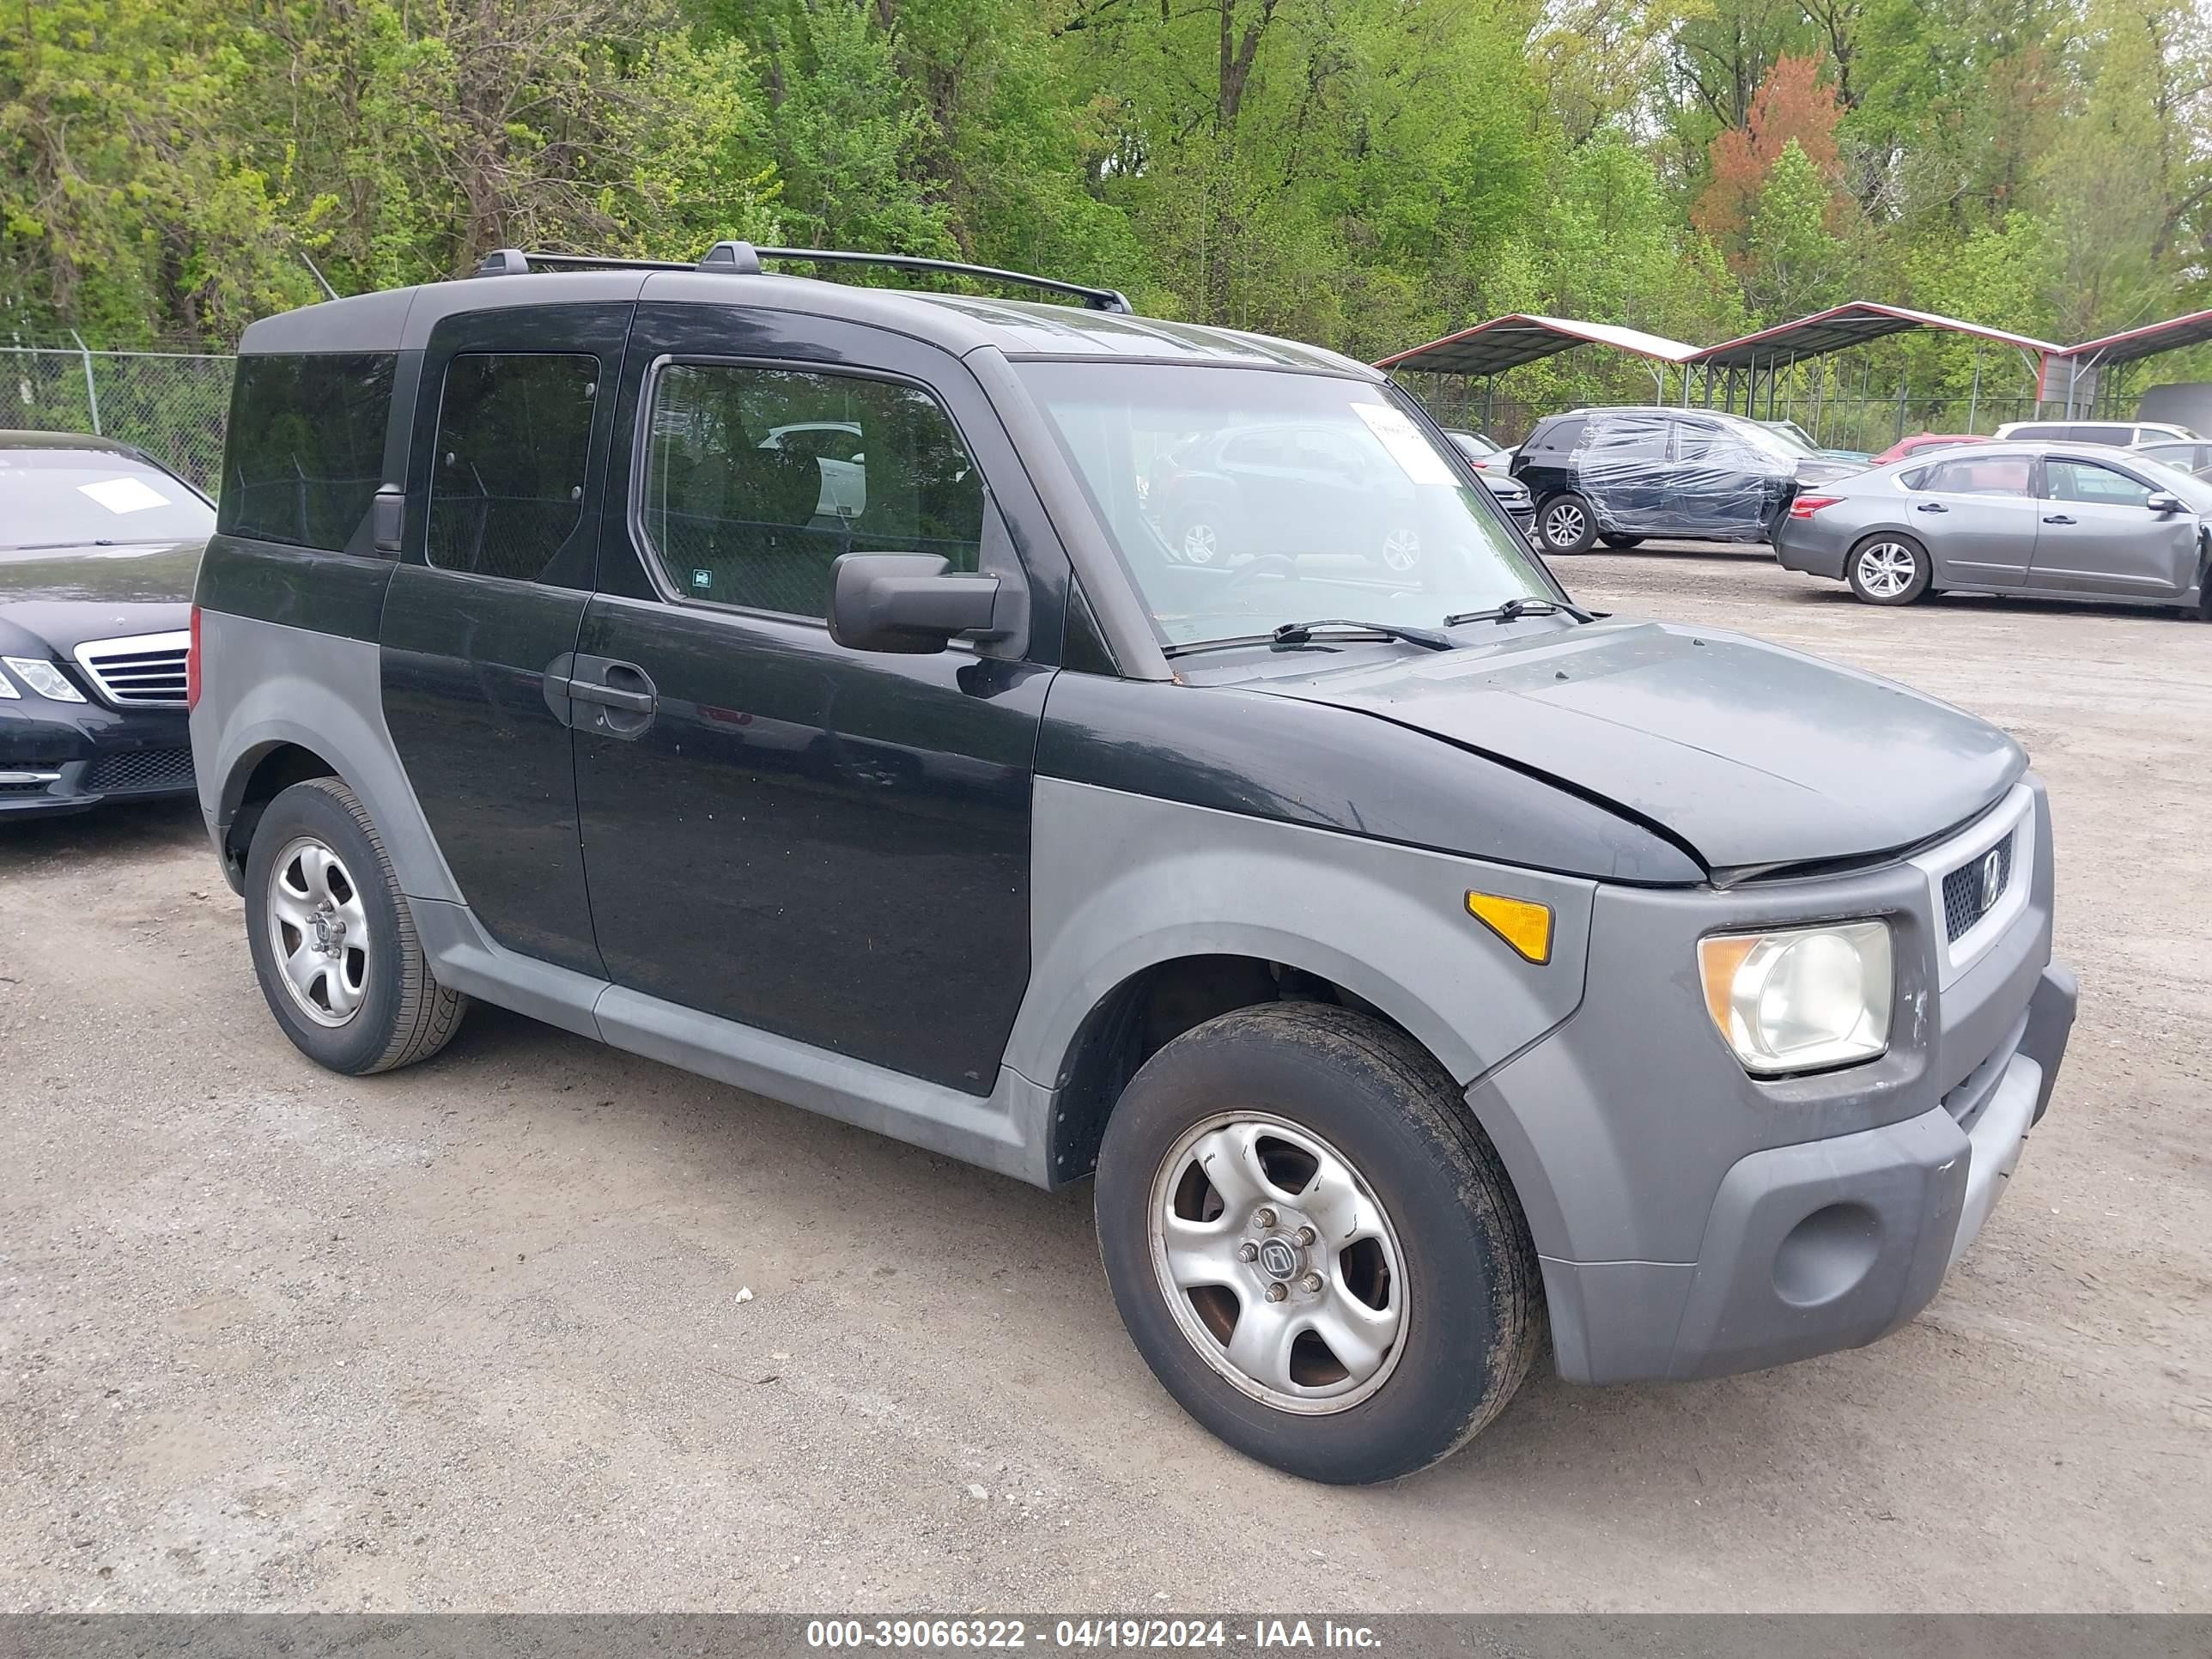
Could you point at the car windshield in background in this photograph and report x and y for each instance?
(52, 498)
(2193, 492)
(1241, 499)
(1788, 446)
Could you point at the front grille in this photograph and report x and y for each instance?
(1970, 890)
(145, 671)
(142, 771)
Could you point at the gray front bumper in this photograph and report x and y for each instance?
(1825, 1244)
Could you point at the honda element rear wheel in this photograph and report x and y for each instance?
(1314, 1245)
(333, 944)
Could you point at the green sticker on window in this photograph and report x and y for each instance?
(702, 579)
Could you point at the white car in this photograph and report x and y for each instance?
(2120, 434)
(836, 447)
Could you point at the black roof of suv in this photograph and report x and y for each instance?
(402, 319)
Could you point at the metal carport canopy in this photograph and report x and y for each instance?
(2147, 340)
(1505, 343)
(1842, 326)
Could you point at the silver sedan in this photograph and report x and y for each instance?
(2052, 521)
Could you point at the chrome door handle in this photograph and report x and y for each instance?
(1931, 507)
(2057, 518)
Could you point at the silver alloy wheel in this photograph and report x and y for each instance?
(1402, 549)
(1200, 544)
(1281, 1269)
(1563, 525)
(319, 931)
(1886, 568)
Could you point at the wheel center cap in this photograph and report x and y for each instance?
(1279, 1258)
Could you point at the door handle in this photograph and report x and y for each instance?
(614, 697)
(623, 693)
(2057, 518)
(1931, 507)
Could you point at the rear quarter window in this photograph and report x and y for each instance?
(305, 451)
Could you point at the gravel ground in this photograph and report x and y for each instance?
(473, 1335)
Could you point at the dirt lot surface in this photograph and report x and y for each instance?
(472, 1335)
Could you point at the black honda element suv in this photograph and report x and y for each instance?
(798, 683)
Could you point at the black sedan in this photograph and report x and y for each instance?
(98, 545)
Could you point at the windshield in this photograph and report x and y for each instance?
(81, 497)
(2193, 492)
(1783, 438)
(1241, 499)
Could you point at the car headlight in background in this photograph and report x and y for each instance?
(44, 679)
(1800, 998)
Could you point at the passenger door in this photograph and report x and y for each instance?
(1977, 515)
(1621, 471)
(2097, 535)
(504, 474)
(828, 845)
(1717, 484)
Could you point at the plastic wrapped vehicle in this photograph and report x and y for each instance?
(1619, 475)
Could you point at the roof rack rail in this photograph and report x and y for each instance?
(744, 259)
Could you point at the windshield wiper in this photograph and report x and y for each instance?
(1299, 633)
(1514, 609)
(48, 547)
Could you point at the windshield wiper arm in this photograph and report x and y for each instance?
(1514, 609)
(1299, 633)
(48, 547)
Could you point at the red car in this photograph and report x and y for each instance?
(1924, 441)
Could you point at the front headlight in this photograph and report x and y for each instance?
(1803, 1000)
(44, 679)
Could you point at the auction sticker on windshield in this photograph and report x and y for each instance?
(1415, 456)
(124, 494)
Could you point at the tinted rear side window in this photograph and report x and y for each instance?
(305, 451)
(507, 481)
(1965, 474)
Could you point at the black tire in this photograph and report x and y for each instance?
(403, 1014)
(1864, 581)
(1472, 1306)
(1620, 543)
(1566, 524)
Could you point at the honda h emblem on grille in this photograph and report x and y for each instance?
(1992, 873)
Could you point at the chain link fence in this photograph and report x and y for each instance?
(172, 405)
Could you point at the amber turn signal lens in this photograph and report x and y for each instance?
(1522, 923)
(1718, 958)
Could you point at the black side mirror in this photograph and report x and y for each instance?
(2165, 506)
(388, 510)
(912, 602)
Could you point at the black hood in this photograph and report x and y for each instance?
(63, 595)
(1750, 754)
